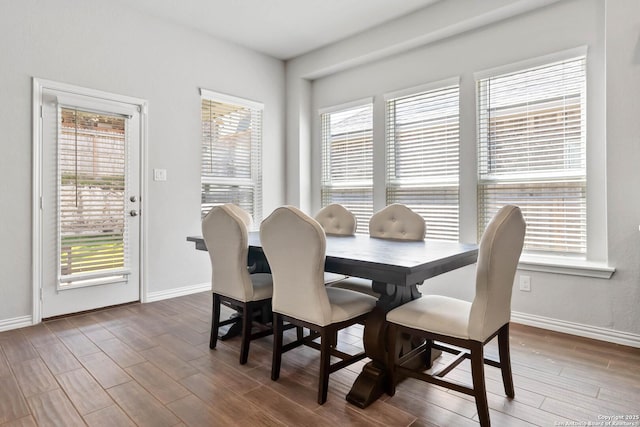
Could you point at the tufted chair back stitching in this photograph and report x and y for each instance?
(397, 222)
(337, 220)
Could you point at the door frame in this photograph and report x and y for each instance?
(37, 164)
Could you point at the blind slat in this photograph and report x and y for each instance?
(91, 194)
(423, 158)
(532, 153)
(347, 161)
(231, 167)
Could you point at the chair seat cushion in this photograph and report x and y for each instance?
(434, 313)
(347, 304)
(356, 284)
(262, 286)
(330, 278)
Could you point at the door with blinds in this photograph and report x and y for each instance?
(90, 203)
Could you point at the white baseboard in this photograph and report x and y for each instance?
(594, 332)
(177, 292)
(15, 323)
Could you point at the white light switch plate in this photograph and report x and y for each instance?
(159, 174)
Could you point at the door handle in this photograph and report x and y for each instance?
(133, 212)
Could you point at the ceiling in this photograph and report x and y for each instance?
(280, 28)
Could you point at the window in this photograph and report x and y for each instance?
(532, 153)
(347, 161)
(92, 150)
(231, 153)
(423, 157)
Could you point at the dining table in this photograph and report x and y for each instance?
(396, 269)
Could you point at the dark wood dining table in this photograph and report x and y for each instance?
(396, 268)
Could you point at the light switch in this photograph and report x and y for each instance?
(159, 174)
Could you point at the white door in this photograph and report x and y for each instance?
(90, 215)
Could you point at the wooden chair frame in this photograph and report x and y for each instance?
(326, 346)
(248, 310)
(473, 350)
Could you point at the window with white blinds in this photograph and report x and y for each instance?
(347, 161)
(423, 157)
(91, 196)
(231, 153)
(532, 153)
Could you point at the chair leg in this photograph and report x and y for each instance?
(247, 320)
(428, 354)
(326, 337)
(505, 361)
(278, 325)
(215, 321)
(299, 332)
(479, 387)
(392, 335)
(334, 339)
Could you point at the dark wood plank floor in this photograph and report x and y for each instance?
(150, 365)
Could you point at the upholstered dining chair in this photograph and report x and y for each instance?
(294, 245)
(336, 220)
(396, 222)
(224, 230)
(468, 325)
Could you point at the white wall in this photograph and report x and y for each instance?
(97, 45)
(458, 38)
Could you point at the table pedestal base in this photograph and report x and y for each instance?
(373, 380)
(369, 385)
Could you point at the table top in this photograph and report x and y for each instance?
(388, 261)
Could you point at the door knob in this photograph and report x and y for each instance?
(133, 198)
(133, 212)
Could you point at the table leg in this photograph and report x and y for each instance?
(234, 330)
(373, 380)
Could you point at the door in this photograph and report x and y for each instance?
(90, 203)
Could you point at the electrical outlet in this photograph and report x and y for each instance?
(525, 283)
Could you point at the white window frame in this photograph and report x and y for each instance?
(391, 181)
(594, 264)
(362, 222)
(255, 180)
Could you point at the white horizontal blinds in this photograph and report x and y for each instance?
(231, 156)
(423, 157)
(532, 153)
(347, 161)
(91, 178)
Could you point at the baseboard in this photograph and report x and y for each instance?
(177, 292)
(15, 323)
(587, 331)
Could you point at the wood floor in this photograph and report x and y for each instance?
(150, 365)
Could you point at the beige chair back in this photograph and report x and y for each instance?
(499, 252)
(244, 215)
(397, 222)
(336, 220)
(294, 244)
(224, 230)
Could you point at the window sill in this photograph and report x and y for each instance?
(573, 267)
